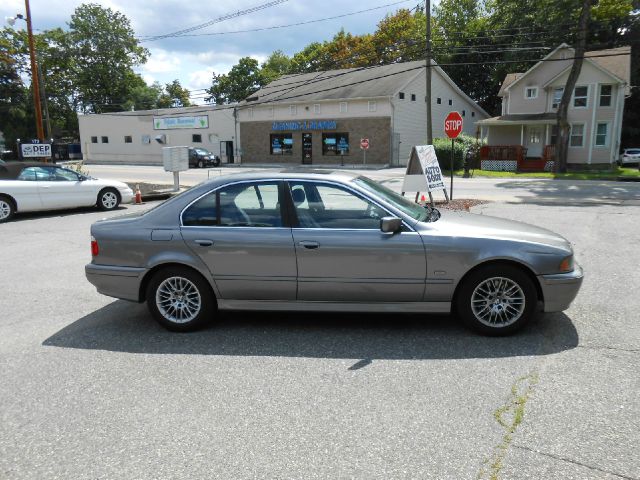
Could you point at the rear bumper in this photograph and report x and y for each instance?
(559, 290)
(114, 281)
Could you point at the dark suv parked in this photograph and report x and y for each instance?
(200, 158)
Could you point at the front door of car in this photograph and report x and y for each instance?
(240, 234)
(62, 188)
(342, 254)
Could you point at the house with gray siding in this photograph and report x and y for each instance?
(523, 136)
(320, 118)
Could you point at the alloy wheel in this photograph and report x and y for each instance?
(498, 302)
(5, 209)
(109, 200)
(178, 300)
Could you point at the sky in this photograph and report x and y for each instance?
(193, 59)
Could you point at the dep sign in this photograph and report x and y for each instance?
(35, 150)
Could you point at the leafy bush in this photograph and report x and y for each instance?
(460, 147)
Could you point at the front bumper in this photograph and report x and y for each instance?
(560, 289)
(126, 195)
(114, 281)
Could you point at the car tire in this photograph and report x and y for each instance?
(7, 208)
(108, 199)
(200, 164)
(216, 162)
(496, 300)
(166, 294)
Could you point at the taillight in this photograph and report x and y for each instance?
(95, 250)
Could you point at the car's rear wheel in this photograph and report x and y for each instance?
(108, 199)
(7, 208)
(180, 299)
(496, 300)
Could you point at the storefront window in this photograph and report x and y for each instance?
(335, 144)
(282, 144)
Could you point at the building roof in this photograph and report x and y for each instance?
(517, 118)
(167, 111)
(349, 83)
(508, 80)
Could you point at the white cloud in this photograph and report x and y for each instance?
(161, 61)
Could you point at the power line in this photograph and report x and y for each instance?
(222, 18)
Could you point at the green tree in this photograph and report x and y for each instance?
(105, 51)
(244, 79)
(174, 95)
(276, 65)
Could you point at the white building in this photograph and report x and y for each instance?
(320, 118)
(138, 137)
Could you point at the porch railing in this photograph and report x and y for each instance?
(503, 152)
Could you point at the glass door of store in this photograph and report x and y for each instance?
(307, 147)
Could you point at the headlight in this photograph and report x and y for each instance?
(566, 265)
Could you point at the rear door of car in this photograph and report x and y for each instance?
(241, 232)
(342, 254)
(24, 189)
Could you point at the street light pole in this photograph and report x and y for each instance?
(34, 74)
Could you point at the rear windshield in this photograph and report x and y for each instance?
(632, 152)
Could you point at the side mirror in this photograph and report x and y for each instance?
(390, 224)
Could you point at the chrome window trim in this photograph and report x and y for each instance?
(298, 179)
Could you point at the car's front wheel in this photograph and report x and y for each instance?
(496, 300)
(108, 199)
(180, 299)
(200, 164)
(7, 209)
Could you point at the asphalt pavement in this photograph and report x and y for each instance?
(93, 388)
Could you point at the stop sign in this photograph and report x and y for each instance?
(453, 124)
(364, 143)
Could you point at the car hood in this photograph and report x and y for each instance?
(463, 224)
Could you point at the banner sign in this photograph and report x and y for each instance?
(423, 171)
(172, 123)
(305, 125)
(34, 150)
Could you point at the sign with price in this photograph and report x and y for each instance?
(423, 171)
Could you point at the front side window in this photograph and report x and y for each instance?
(605, 95)
(580, 97)
(62, 175)
(327, 206)
(602, 134)
(577, 135)
(335, 144)
(281, 144)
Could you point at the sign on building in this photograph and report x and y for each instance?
(35, 150)
(173, 123)
(423, 171)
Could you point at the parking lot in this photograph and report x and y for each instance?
(93, 388)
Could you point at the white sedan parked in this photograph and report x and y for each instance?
(35, 186)
(630, 156)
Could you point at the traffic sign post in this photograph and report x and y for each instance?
(364, 146)
(452, 127)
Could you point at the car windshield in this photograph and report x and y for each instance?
(202, 151)
(406, 206)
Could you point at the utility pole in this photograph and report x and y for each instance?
(44, 100)
(427, 10)
(34, 74)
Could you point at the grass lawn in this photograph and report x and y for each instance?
(594, 175)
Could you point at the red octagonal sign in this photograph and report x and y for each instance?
(453, 124)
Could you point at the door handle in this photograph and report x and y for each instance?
(309, 245)
(204, 243)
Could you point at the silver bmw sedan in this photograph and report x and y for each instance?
(327, 241)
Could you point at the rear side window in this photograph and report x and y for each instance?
(202, 213)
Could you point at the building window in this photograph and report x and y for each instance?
(196, 138)
(128, 139)
(531, 93)
(281, 144)
(464, 112)
(602, 134)
(145, 139)
(554, 135)
(473, 114)
(401, 95)
(450, 102)
(335, 144)
(270, 112)
(343, 107)
(557, 96)
(316, 108)
(373, 106)
(580, 97)
(94, 139)
(105, 139)
(577, 135)
(439, 101)
(606, 92)
(413, 97)
(293, 110)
